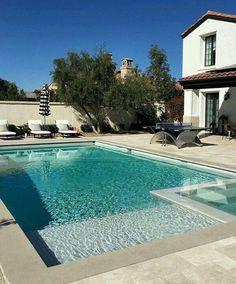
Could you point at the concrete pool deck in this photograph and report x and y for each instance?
(216, 152)
(204, 256)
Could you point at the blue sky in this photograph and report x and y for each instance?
(34, 33)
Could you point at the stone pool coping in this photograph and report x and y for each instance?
(21, 263)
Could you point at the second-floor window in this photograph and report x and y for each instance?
(210, 50)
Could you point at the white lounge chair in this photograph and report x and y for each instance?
(4, 132)
(35, 127)
(63, 128)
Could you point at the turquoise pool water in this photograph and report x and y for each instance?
(220, 196)
(86, 199)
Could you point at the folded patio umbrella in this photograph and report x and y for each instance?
(44, 107)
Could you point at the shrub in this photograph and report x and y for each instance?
(147, 114)
(50, 127)
(86, 128)
(24, 129)
(136, 126)
(12, 127)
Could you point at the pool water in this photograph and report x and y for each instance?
(86, 199)
(220, 196)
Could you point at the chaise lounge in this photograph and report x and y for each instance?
(4, 132)
(35, 127)
(64, 130)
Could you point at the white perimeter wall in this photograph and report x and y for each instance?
(19, 113)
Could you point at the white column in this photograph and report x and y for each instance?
(202, 109)
(191, 106)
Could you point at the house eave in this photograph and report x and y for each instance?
(209, 83)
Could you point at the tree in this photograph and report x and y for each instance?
(175, 108)
(87, 82)
(10, 92)
(138, 93)
(54, 97)
(159, 72)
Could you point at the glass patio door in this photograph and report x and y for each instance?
(212, 111)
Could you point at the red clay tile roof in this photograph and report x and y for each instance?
(210, 15)
(227, 73)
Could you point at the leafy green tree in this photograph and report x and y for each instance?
(54, 97)
(37, 92)
(138, 93)
(22, 94)
(10, 92)
(87, 82)
(158, 71)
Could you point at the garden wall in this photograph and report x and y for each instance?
(19, 113)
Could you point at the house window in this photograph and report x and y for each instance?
(210, 50)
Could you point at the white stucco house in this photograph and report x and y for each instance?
(209, 71)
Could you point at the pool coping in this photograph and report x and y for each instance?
(22, 264)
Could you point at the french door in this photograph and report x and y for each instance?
(212, 111)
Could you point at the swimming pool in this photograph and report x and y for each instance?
(86, 199)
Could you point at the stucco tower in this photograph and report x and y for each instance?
(127, 67)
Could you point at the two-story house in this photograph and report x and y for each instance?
(209, 71)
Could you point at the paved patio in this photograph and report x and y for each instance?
(214, 262)
(216, 151)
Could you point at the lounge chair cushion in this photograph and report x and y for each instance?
(35, 127)
(3, 127)
(63, 127)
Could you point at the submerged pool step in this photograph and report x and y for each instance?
(96, 236)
